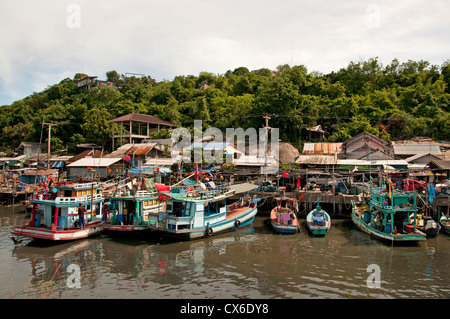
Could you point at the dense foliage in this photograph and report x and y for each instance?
(396, 101)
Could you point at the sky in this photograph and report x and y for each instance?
(46, 41)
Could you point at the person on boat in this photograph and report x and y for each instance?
(81, 211)
(33, 215)
(105, 212)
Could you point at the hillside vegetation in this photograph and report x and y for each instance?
(395, 101)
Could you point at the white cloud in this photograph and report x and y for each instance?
(168, 38)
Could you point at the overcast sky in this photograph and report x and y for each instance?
(43, 42)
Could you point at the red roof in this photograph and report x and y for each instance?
(143, 118)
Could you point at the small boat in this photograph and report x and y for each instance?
(445, 224)
(283, 218)
(130, 210)
(193, 212)
(54, 216)
(426, 225)
(387, 216)
(318, 221)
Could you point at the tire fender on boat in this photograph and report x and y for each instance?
(237, 223)
(209, 231)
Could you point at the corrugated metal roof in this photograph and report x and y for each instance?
(440, 164)
(322, 148)
(94, 162)
(419, 148)
(315, 160)
(138, 150)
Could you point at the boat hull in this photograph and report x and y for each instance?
(445, 224)
(388, 237)
(125, 228)
(235, 221)
(59, 235)
(283, 228)
(317, 230)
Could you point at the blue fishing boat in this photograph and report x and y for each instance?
(318, 221)
(427, 225)
(195, 212)
(54, 216)
(387, 216)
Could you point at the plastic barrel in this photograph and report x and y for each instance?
(119, 218)
(367, 217)
(61, 222)
(387, 228)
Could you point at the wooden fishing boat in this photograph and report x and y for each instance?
(387, 216)
(283, 218)
(427, 225)
(318, 221)
(445, 224)
(130, 211)
(54, 216)
(194, 213)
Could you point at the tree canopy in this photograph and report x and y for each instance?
(395, 101)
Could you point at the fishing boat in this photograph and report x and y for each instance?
(130, 210)
(192, 212)
(318, 221)
(445, 223)
(386, 217)
(427, 225)
(54, 216)
(283, 218)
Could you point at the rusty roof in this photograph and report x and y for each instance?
(322, 148)
(142, 118)
(316, 160)
(138, 150)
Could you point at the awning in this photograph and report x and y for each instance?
(57, 164)
(15, 163)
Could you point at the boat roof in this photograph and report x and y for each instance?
(212, 194)
(243, 187)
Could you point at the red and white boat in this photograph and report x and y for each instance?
(54, 215)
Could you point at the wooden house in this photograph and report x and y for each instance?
(138, 127)
(97, 167)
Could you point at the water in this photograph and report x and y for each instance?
(253, 262)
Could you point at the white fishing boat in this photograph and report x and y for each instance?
(194, 213)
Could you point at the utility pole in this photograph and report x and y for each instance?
(48, 147)
(266, 116)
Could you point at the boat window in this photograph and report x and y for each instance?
(214, 207)
(178, 208)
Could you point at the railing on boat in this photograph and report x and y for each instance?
(80, 199)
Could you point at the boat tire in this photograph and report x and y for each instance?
(237, 223)
(209, 231)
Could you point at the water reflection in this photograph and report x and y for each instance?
(252, 262)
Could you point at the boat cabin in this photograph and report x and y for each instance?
(64, 205)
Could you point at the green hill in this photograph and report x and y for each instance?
(395, 101)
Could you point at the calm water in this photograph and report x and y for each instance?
(253, 262)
